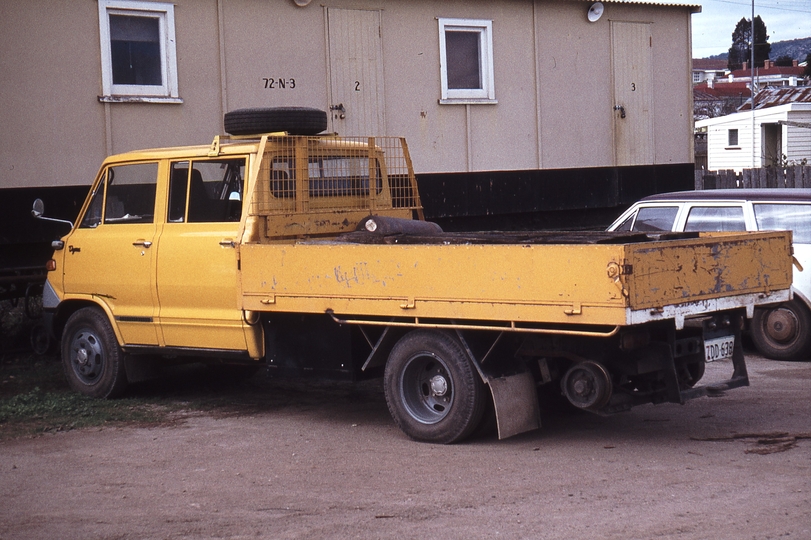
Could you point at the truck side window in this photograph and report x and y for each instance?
(92, 217)
(126, 195)
(342, 176)
(715, 219)
(283, 178)
(655, 218)
(178, 185)
(214, 190)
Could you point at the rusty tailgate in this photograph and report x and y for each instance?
(716, 265)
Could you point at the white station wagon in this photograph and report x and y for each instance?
(782, 332)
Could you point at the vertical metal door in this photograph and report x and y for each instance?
(631, 50)
(355, 59)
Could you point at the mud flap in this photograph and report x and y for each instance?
(516, 404)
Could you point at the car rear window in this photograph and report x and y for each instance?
(781, 217)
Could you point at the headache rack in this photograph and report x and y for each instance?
(300, 173)
(325, 185)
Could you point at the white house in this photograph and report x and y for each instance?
(778, 131)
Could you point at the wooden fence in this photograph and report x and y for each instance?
(797, 176)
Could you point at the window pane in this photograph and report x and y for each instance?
(658, 218)
(131, 193)
(733, 137)
(92, 217)
(785, 217)
(463, 57)
(341, 177)
(715, 219)
(178, 187)
(135, 50)
(626, 225)
(215, 190)
(282, 178)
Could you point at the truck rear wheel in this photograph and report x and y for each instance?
(784, 332)
(91, 357)
(432, 389)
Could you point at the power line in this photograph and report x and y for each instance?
(761, 6)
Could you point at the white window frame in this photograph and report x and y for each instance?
(484, 95)
(737, 144)
(115, 93)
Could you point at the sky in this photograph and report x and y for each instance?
(713, 27)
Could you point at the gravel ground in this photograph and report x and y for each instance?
(325, 461)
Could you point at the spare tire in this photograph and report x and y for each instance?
(294, 120)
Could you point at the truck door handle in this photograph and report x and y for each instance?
(227, 243)
(621, 109)
(143, 243)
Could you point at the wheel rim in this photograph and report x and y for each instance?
(427, 388)
(86, 356)
(587, 385)
(781, 325)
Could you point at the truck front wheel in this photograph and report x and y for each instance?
(91, 357)
(433, 391)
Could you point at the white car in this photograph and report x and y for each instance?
(782, 332)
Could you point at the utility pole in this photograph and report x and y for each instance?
(752, 78)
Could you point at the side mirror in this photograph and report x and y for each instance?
(39, 209)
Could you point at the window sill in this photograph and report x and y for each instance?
(732, 148)
(464, 101)
(140, 99)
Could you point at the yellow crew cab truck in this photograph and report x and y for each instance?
(308, 254)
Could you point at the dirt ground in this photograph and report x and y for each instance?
(325, 461)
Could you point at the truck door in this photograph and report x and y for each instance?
(111, 254)
(197, 256)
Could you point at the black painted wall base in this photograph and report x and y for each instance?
(562, 199)
(587, 198)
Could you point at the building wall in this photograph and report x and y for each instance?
(796, 141)
(553, 73)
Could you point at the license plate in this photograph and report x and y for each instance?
(719, 348)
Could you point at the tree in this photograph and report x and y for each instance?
(740, 51)
(807, 71)
(784, 61)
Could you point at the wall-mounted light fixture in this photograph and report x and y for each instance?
(595, 11)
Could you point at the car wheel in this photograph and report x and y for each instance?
(91, 357)
(433, 391)
(783, 332)
(294, 120)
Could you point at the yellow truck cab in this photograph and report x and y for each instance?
(307, 254)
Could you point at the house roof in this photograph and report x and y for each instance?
(694, 8)
(708, 64)
(699, 95)
(773, 97)
(787, 71)
(722, 89)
